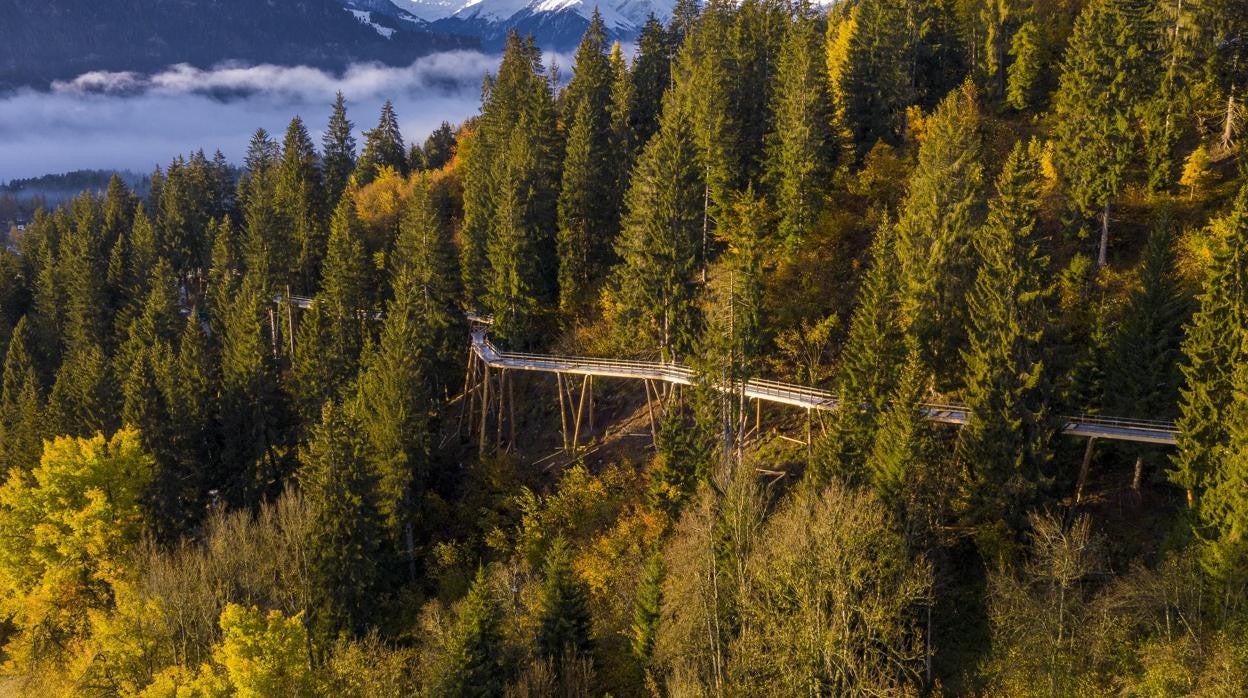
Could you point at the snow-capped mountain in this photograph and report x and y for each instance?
(556, 24)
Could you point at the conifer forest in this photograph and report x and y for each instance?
(251, 442)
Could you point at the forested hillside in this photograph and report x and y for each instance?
(1032, 208)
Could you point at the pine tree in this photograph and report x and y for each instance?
(647, 607)
(659, 241)
(251, 407)
(1212, 351)
(338, 150)
(902, 440)
(345, 534)
(623, 142)
(298, 199)
(563, 617)
(1103, 83)
(345, 283)
(1004, 447)
(801, 147)
(582, 213)
(935, 227)
(651, 76)
(383, 147)
(476, 650)
(1025, 66)
(871, 53)
(868, 374)
(21, 404)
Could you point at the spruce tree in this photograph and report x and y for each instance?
(338, 152)
(868, 373)
(564, 627)
(801, 146)
(1142, 375)
(1212, 351)
(588, 211)
(647, 609)
(1103, 84)
(871, 52)
(1004, 448)
(383, 147)
(902, 439)
(439, 147)
(345, 285)
(475, 654)
(623, 137)
(298, 199)
(935, 227)
(659, 244)
(21, 404)
(344, 538)
(583, 219)
(651, 77)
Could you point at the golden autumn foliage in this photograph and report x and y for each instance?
(65, 527)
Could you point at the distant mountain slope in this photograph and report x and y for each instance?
(556, 24)
(61, 39)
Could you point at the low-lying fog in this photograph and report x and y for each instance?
(135, 122)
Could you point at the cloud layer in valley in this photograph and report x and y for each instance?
(135, 122)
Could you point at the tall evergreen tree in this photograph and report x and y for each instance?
(902, 440)
(338, 152)
(1004, 448)
(383, 147)
(345, 534)
(1103, 84)
(651, 77)
(659, 243)
(475, 654)
(298, 198)
(563, 616)
(1212, 351)
(935, 226)
(801, 147)
(21, 404)
(868, 374)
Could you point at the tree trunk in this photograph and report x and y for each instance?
(1082, 481)
(1228, 124)
(1138, 475)
(1102, 257)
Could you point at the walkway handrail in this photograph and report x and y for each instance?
(1093, 426)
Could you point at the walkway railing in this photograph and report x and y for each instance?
(1098, 427)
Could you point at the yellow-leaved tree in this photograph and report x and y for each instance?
(260, 655)
(65, 527)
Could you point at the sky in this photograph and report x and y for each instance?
(134, 122)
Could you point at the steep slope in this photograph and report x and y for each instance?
(45, 41)
(555, 24)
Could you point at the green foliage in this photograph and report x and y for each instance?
(383, 147)
(658, 243)
(647, 609)
(1004, 448)
(801, 147)
(564, 624)
(935, 228)
(338, 151)
(346, 547)
(475, 651)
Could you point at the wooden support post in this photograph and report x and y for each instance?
(1084, 467)
(290, 322)
(654, 432)
(511, 413)
(580, 408)
(273, 331)
(498, 422)
(563, 419)
(590, 414)
(465, 399)
(485, 406)
(809, 441)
